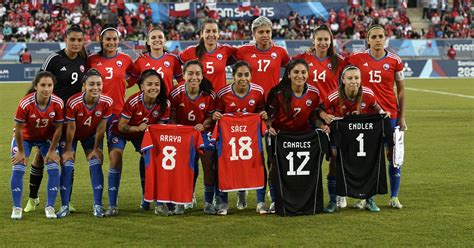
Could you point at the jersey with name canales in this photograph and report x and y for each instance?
(380, 75)
(229, 102)
(39, 123)
(170, 153)
(332, 104)
(265, 65)
(137, 113)
(87, 119)
(360, 166)
(321, 74)
(239, 152)
(114, 71)
(214, 62)
(168, 66)
(68, 73)
(301, 111)
(191, 111)
(297, 178)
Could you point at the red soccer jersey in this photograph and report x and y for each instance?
(239, 151)
(302, 109)
(379, 75)
(228, 102)
(321, 74)
(87, 119)
(136, 113)
(191, 111)
(170, 153)
(332, 104)
(114, 72)
(39, 123)
(265, 65)
(214, 63)
(168, 66)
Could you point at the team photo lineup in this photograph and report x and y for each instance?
(324, 106)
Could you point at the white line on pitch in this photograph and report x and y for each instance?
(441, 92)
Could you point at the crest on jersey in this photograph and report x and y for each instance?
(386, 67)
(52, 115)
(330, 66)
(119, 63)
(252, 102)
(362, 105)
(115, 140)
(98, 113)
(82, 68)
(202, 105)
(167, 64)
(273, 55)
(220, 56)
(155, 113)
(309, 102)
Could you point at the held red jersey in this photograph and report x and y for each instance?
(380, 75)
(168, 66)
(265, 65)
(170, 154)
(332, 104)
(301, 110)
(39, 123)
(228, 102)
(239, 151)
(191, 111)
(321, 74)
(137, 113)
(114, 71)
(87, 119)
(214, 63)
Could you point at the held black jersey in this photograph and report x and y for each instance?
(68, 73)
(360, 166)
(296, 174)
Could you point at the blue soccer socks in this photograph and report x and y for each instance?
(16, 183)
(97, 180)
(114, 184)
(53, 183)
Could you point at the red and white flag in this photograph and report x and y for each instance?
(179, 9)
(245, 6)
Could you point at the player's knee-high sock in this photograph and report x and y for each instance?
(394, 175)
(208, 193)
(36, 175)
(142, 173)
(65, 182)
(332, 188)
(53, 183)
(97, 180)
(16, 183)
(114, 183)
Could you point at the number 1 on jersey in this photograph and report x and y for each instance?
(361, 152)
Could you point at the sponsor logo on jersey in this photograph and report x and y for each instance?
(148, 64)
(115, 140)
(140, 113)
(98, 113)
(167, 64)
(99, 64)
(311, 64)
(63, 68)
(220, 56)
(16, 190)
(329, 66)
(252, 102)
(82, 68)
(155, 113)
(366, 64)
(181, 104)
(386, 67)
(309, 102)
(232, 104)
(33, 116)
(253, 56)
(119, 63)
(80, 114)
(52, 115)
(273, 55)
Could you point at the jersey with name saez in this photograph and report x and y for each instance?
(239, 152)
(39, 123)
(229, 102)
(87, 119)
(332, 104)
(170, 153)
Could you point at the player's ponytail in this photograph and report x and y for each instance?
(161, 99)
(341, 89)
(331, 51)
(201, 48)
(205, 85)
(38, 77)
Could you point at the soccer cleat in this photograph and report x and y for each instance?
(223, 209)
(162, 209)
(262, 208)
(50, 214)
(271, 209)
(331, 208)
(71, 208)
(31, 205)
(209, 209)
(395, 203)
(179, 209)
(98, 211)
(111, 211)
(341, 201)
(144, 205)
(16, 213)
(242, 200)
(63, 212)
(360, 204)
(371, 206)
(191, 205)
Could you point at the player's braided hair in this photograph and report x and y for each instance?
(331, 52)
(201, 48)
(161, 99)
(205, 84)
(38, 77)
(341, 89)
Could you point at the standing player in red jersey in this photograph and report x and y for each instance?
(380, 70)
(146, 107)
(246, 97)
(265, 58)
(38, 122)
(292, 105)
(325, 65)
(158, 58)
(192, 104)
(213, 56)
(87, 114)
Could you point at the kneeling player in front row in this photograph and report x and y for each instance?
(39, 119)
(87, 113)
(351, 98)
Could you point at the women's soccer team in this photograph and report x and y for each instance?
(78, 98)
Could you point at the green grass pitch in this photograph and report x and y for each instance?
(436, 190)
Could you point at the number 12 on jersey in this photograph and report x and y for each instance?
(299, 172)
